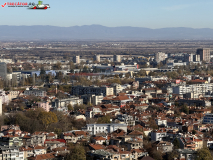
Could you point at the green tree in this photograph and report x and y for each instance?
(194, 132)
(185, 109)
(176, 143)
(204, 154)
(70, 108)
(104, 119)
(77, 152)
(57, 66)
(42, 71)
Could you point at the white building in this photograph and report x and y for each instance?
(194, 88)
(158, 135)
(8, 153)
(161, 121)
(104, 128)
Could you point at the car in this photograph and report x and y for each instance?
(40, 6)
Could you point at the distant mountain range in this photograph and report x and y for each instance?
(98, 32)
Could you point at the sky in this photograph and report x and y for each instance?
(113, 13)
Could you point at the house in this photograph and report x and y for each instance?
(161, 121)
(32, 150)
(99, 140)
(69, 137)
(11, 140)
(102, 154)
(136, 134)
(38, 138)
(138, 153)
(93, 146)
(190, 142)
(163, 146)
(134, 144)
(51, 135)
(128, 119)
(186, 154)
(159, 135)
(47, 156)
(54, 143)
(11, 152)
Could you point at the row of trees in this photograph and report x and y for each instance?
(40, 120)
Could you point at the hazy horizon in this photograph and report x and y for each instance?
(114, 13)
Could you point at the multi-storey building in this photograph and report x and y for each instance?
(3, 70)
(194, 88)
(117, 58)
(35, 92)
(81, 90)
(104, 128)
(76, 59)
(8, 153)
(97, 58)
(204, 54)
(160, 56)
(208, 118)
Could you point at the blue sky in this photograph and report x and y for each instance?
(112, 13)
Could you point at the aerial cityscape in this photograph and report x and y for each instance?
(96, 80)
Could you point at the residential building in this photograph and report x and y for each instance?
(54, 143)
(160, 56)
(3, 70)
(104, 128)
(32, 150)
(76, 59)
(186, 154)
(45, 105)
(65, 102)
(11, 140)
(164, 146)
(208, 118)
(92, 99)
(158, 135)
(117, 58)
(12, 152)
(204, 54)
(35, 92)
(82, 90)
(97, 58)
(38, 138)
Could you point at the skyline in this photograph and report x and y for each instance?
(137, 13)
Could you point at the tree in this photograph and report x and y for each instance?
(172, 155)
(47, 118)
(194, 132)
(157, 155)
(204, 154)
(185, 109)
(70, 108)
(42, 71)
(57, 66)
(104, 119)
(176, 143)
(77, 152)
